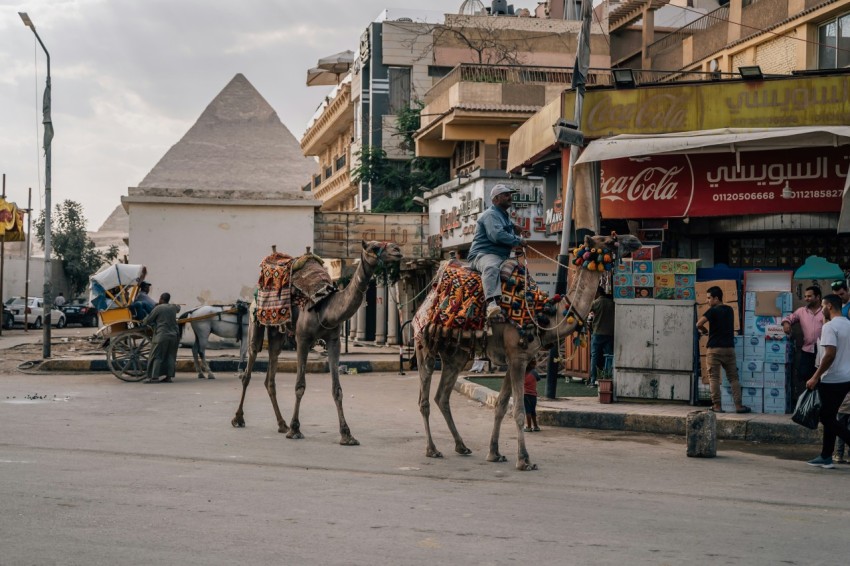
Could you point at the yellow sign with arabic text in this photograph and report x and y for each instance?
(770, 103)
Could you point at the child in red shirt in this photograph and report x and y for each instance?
(530, 397)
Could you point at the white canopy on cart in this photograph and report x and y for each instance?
(117, 275)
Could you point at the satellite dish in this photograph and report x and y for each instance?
(713, 66)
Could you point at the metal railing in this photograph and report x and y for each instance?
(675, 39)
(509, 74)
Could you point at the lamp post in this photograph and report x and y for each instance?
(48, 137)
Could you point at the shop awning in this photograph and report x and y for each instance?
(716, 141)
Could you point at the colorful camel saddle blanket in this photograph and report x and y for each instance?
(286, 281)
(458, 301)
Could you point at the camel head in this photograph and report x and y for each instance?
(620, 245)
(375, 252)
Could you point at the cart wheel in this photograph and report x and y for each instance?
(127, 355)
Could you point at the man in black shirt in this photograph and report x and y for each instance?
(721, 348)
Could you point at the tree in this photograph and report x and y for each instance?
(398, 180)
(71, 244)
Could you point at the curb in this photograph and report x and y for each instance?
(222, 365)
(727, 429)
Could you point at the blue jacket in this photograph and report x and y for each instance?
(494, 234)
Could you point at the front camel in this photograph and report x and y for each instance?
(313, 318)
(442, 328)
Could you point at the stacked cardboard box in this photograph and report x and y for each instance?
(763, 363)
(655, 278)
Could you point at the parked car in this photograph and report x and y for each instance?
(8, 319)
(35, 308)
(80, 311)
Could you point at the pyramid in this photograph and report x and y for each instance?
(237, 144)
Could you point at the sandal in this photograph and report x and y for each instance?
(536, 429)
(527, 429)
(717, 410)
(743, 410)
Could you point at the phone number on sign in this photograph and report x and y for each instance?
(744, 196)
(833, 193)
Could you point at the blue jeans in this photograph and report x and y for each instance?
(600, 346)
(489, 265)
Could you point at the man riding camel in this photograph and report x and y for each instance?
(495, 237)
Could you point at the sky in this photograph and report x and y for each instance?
(130, 77)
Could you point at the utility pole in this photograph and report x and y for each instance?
(48, 138)
(580, 70)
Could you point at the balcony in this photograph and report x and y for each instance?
(488, 102)
(333, 121)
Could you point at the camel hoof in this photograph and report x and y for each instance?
(350, 441)
(496, 458)
(434, 454)
(211, 376)
(294, 435)
(238, 422)
(525, 466)
(463, 450)
(283, 429)
(201, 376)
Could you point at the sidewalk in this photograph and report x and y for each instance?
(577, 412)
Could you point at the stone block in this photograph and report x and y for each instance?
(701, 433)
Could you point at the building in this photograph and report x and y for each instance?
(219, 199)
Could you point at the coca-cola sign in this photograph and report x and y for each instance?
(766, 182)
(650, 182)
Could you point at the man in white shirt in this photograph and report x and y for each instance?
(832, 378)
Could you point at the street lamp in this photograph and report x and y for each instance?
(48, 137)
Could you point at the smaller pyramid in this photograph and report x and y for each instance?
(237, 144)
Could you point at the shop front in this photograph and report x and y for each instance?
(453, 213)
(735, 175)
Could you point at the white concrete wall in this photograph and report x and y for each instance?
(14, 277)
(210, 253)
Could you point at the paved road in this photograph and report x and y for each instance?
(104, 472)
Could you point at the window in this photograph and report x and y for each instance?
(399, 78)
(465, 153)
(834, 43)
(503, 154)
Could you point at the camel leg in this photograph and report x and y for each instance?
(451, 366)
(275, 344)
(336, 389)
(255, 337)
(499, 414)
(425, 363)
(302, 348)
(516, 376)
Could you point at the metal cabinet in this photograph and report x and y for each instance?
(654, 349)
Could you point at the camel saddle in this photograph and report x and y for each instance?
(286, 281)
(459, 299)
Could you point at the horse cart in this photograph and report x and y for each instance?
(126, 341)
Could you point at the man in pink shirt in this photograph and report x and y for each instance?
(810, 318)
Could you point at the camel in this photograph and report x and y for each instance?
(314, 322)
(505, 346)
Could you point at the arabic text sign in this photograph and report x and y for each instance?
(713, 184)
(774, 103)
(339, 235)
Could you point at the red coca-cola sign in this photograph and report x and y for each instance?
(716, 184)
(661, 185)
